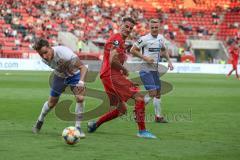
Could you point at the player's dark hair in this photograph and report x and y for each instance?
(39, 43)
(129, 19)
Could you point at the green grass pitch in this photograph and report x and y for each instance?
(204, 114)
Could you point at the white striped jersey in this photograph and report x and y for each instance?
(63, 61)
(150, 46)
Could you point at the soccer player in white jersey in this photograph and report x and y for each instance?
(68, 71)
(151, 45)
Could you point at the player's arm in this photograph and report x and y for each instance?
(83, 70)
(135, 51)
(165, 53)
(115, 62)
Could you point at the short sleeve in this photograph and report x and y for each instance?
(65, 53)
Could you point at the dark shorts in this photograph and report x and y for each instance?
(59, 84)
(150, 79)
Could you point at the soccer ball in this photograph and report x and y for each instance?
(71, 135)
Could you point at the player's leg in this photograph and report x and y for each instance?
(79, 95)
(157, 107)
(79, 92)
(156, 103)
(146, 80)
(156, 90)
(228, 75)
(57, 88)
(152, 83)
(125, 90)
(119, 111)
(47, 106)
(139, 111)
(140, 116)
(236, 69)
(147, 98)
(116, 107)
(230, 72)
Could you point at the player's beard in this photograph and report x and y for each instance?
(125, 34)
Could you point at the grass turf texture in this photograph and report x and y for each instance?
(203, 109)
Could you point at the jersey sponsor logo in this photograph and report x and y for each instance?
(154, 49)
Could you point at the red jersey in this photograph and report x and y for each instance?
(115, 41)
(234, 52)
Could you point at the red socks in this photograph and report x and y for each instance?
(140, 114)
(111, 115)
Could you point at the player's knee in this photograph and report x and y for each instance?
(139, 111)
(52, 104)
(152, 94)
(122, 109)
(139, 104)
(139, 97)
(52, 101)
(158, 96)
(79, 99)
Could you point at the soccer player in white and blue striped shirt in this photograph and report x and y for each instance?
(151, 45)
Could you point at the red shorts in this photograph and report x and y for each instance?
(234, 64)
(118, 88)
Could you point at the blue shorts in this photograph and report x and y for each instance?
(150, 79)
(59, 84)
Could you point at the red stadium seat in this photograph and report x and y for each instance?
(11, 54)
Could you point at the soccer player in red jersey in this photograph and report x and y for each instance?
(234, 52)
(114, 78)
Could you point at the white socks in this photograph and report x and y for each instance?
(157, 106)
(147, 98)
(79, 109)
(46, 109)
(44, 112)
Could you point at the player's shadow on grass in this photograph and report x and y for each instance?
(112, 134)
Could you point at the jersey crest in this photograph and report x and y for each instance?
(116, 43)
(139, 41)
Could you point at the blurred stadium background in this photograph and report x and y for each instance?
(198, 31)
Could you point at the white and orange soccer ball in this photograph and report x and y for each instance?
(71, 135)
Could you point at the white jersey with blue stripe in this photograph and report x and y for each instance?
(63, 62)
(150, 46)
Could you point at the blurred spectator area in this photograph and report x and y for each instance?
(93, 21)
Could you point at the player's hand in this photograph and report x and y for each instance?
(79, 87)
(170, 66)
(148, 59)
(81, 84)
